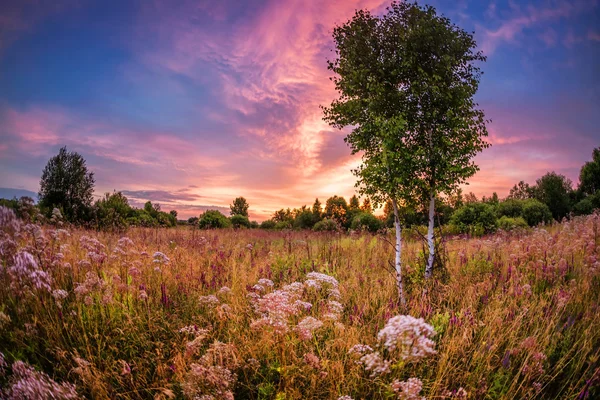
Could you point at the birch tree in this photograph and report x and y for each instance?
(439, 76)
(367, 81)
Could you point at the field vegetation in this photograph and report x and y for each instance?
(188, 313)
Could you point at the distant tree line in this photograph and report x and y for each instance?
(66, 183)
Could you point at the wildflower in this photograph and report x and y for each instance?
(266, 282)
(125, 242)
(335, 307)
(312, 360)
(25, 274)
(126, 369)
(408, 390)
(258, 288)
(360, 349)
(9, 221)
(278, 325)
(143, 295)
(224, 290)
(160, 258)
(312, 284)
(307, 326)
(345, 398)
(27, 383)
(408, 334)
(203, 379)
(295, 288)
(375, 363)
(323, 278)
(210, 300)
(303, 305)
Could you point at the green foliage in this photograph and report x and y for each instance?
(521, 191)
(366, 222)
(326, 225)
(587, 205)
(240, 221)
(554, 190)
(281, 225)
(239, 207)
(305, 219)
(66, 184)
(213, 219)
(510, 208)
(317, 210)
(536, 212)
(475, 218)
(336, 209)
(589, 176)
(268, 224)
(112, 212)
(509, 223)
(283, 215)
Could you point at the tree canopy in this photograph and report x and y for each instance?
(67, 184)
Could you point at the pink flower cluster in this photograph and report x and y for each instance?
(26, 275)
(27, 383)
(411, 336)
(306, 327)
(408, 390)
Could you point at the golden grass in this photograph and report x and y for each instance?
(518, 316)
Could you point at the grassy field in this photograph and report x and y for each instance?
(252, 314)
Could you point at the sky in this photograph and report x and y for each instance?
(193, 103)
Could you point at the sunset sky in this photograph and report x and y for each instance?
(193, 103)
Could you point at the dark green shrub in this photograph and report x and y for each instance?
(510, 208)
(366, 222)
(584, 207)
(326, 225)
(508, 224)
(475, 218)
(268, 224)
(281, 225)
(536, 212)
(213, 219)
(240, 221)
(304, 220)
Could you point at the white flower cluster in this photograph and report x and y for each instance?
(306, 327)
(26, 275)
(27, 383)
(409, 335)
(408, 390)
(375, 363)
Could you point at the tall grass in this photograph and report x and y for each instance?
(517, 315)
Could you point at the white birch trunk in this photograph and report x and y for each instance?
(398, 248)
(430, 241)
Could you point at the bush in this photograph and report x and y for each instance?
(304, 220)
(213, 219)
(268, 224)
(326, 225)
(508, 224)
(239, 221)
(366, 222)
(112, 211)
(535, 212)
(584, 207)
(475, 218)
(510, 208)
(281, 225)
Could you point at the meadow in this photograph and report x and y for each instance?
(255, 314)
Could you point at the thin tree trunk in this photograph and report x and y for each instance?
(430, 241)
(398, 248)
